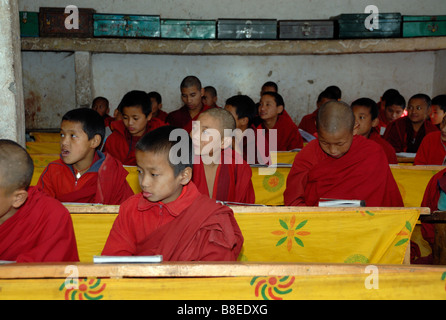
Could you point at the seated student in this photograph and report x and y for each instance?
(340, 165)
(210, 97)
(271, 112)
(191, 95)
(366, 114)
(393, 107)
(170, 217)
(438, 109)
(405, 134)
(219, 171)
(253, 150)
(308, 122)
(432, 150)
(157, 104)
(101, 106)
(136, 120)
(83, 173)
(33, 226)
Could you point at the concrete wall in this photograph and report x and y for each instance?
(49, 77)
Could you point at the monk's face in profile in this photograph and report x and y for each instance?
(437, 114)
(443, 129)
(335, 144)
(205, 135)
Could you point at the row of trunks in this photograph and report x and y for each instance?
(51, 22)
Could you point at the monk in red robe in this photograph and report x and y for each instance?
(157, 104)
(405, 134)
(391, 107)
(219, 171)
(136, 112)
(83, 174)
(271, 111)
(366, 115)
(191, 95)
(170, 217)
(340, 165)
(432, 150)
(33, 226)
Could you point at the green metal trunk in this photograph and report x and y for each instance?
(132, 26)
(188, 29)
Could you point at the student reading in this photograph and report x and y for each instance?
(33, 226)
(340, 165)
(170, 217)
(83, 173)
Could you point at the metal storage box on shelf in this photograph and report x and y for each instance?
(247, 29)
(121, 25)
(359, 25)
(29, 24)
(52, 23)
(424, 26)
(306, 29)
(188, 29)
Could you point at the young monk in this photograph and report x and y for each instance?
(392, 107)
(191, 95)
(405, 134)
(438, 109)
(366, 115)
(83, 173)
(170, 217)
(102, 106)
(246, 143)
(271, 111)
(137, 120)
(432, 150)
(157, 104)
(219, 171)
(33, 226)
(210, 97)
(340, 165)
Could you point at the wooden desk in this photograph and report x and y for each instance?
(438, 218)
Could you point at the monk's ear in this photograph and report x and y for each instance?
(226, 142)
(185, 176)
(375, 122)
(19, 198)
(95, 141)
(356, 128)
(280, 109)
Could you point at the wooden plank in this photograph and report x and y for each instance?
(195, 269)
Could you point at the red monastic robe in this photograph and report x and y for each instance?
(288, 136)
(257, 147)
(181, 118)
(432, 150)
(387, 147)
(232, 181)
(162, 115)
(105, 182)
(121, 144)
(190, 228)
(403, 138)
(308, 122)
(40, 231)
(362, 173)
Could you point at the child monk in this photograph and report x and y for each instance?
(366, 115)
(432, 150)
(191, 95)
(136, 111)
(271, 112)
(340, 165)
(170, 217)
(83, 173)
(157, 105)
(219, 171)
(33, 226)
(210, 97)
(438, 109)
(405, 134)
(102, 106)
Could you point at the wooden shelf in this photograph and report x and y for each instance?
(234, 47)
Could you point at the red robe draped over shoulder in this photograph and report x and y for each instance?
(288, 136)
(121, 144)
(432, 150)
(181, 118)
(40, 231)
(232, 181)
(105, 182)
(387, 147)
(190, 228)
(308, 122)
(363, 173)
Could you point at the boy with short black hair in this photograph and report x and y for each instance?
(33, 226)
(366, 114)
(136, 110)
(83, 173)
(405, 134)
(170, 217)
(102, 106)
(438, 109)
(210, 97)
(157, 104)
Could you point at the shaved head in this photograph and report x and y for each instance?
(225, 118)
(16, 166)
(335, 116)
